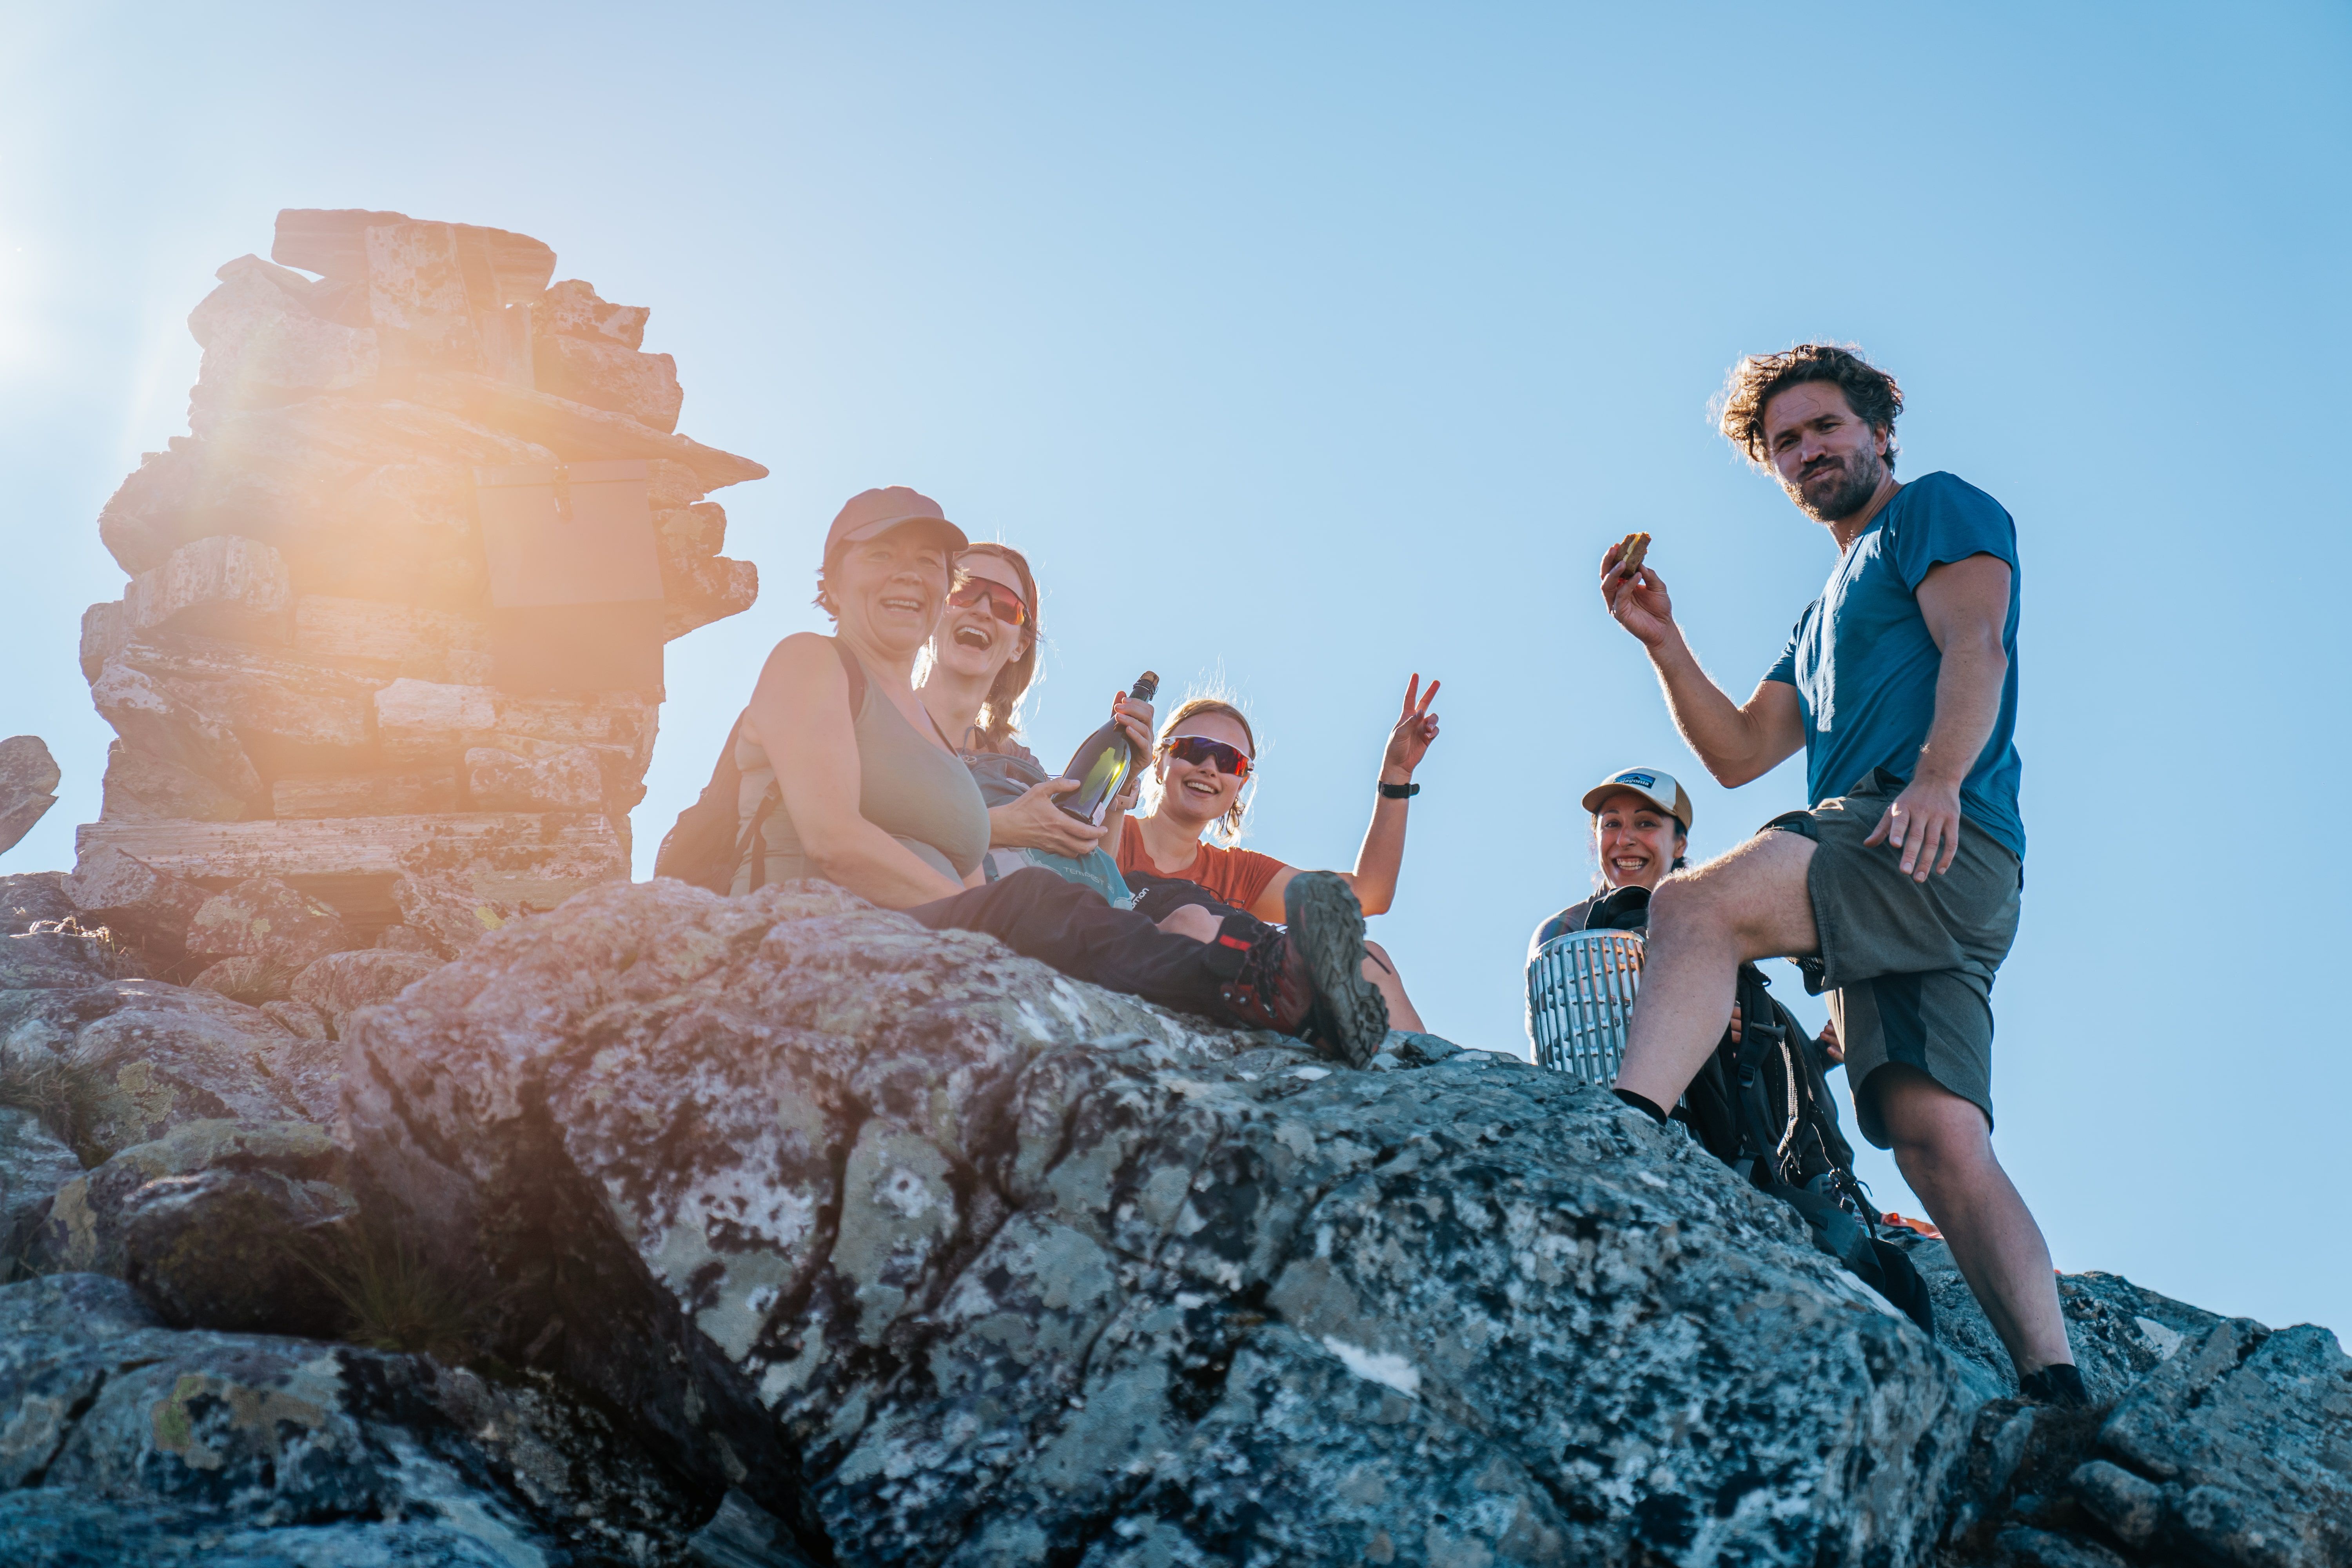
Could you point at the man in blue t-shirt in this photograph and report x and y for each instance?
(1899, 888)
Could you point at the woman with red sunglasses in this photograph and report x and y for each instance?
(978, 667)
(845, 775)
(1205, 757)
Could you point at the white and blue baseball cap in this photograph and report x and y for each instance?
(1655, 785)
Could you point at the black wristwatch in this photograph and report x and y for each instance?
(1398, 791)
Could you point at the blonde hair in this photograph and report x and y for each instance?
(1228, 828)
(999, 710)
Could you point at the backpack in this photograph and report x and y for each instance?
(1762, 1106)
(705, 845)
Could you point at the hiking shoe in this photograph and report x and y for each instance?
(1271, 990)
(2059, 1383)
(1350, 1019)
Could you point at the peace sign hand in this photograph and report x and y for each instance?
(1416, 726)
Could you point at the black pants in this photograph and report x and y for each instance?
(1048, 918)
(1159, 897)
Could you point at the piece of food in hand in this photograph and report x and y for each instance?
(1630, 552)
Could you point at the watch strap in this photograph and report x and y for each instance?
(1398, 791)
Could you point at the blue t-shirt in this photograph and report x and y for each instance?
(1864, 665)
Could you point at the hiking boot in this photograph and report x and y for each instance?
(1308, 980)
(2059, 1383)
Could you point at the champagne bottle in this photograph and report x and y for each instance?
(1103, 761)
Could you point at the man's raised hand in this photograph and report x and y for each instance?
(1924, 822)
(1636, 599)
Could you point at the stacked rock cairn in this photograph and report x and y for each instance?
(315, 758)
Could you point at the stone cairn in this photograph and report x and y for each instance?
(315, 755)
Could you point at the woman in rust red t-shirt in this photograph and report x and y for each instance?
(1203, 760)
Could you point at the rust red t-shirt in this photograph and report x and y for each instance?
(1234, 877)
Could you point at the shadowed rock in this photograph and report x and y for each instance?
(28, 786)
(1007, 1268)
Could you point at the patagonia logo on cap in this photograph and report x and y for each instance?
(1647, 781)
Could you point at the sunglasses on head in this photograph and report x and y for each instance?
(1199, 750)
(1002, 602)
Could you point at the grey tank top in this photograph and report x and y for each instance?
(917, 794)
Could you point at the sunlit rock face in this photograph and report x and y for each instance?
(302, 665)
(948, 1259)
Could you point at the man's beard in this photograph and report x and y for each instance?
(1858, 482)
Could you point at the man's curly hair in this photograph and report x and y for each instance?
(1869, 391)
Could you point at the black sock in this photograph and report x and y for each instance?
(2060, 1383)
(1642, 1105)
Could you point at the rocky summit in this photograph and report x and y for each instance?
(670, 1228)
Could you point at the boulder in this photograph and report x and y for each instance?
(220, 587)
(125, 1062)
(340, 982)
(28, 898)
(265, 343)
(62, 955)
(128, 1442)
(408, 938)
(379, 792)
(701, 591)
(568, 779)
(159, 720)
(940, 1257)
(686, 531)
(34, 1163)
(143, 788)
(424, 721)
(28, 786)
(394, 640)
(246, 978)
(609, 375)
(570, 309)
(106, 630)
(285, 711)
(263, 917)
(220, 1225)
(449, 913)
(145, 908)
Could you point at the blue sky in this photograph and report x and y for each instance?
(1306, 347)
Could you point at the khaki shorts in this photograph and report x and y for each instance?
(1909, 965)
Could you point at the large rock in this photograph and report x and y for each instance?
(265, 341)
(943, 1257)
(285, 711)
(63, 954)
(221, 586)
(448, 914)
(28, 786)
(124, 1063)
(341, 983)
(144, 907)
(607, 374)
(28, 898)
(218, 1224)
(567, 779)
(159, 720)
(143, 788)
(34, 1163)
(263, 917)
(573, 309)
(122, 1441)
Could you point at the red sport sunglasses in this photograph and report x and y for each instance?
(1002, 602)
(1198, 749)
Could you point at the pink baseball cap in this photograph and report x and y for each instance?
(870, 513)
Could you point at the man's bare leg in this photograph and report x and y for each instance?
(1944, 1149)
(1748, 904)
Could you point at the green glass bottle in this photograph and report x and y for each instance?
(1103, 761)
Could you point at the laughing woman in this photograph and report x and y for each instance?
(848, 777)
(981, 661)
(1204, 758)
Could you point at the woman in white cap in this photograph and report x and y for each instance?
(1641, 829)
(1641, 825)
(846, 776)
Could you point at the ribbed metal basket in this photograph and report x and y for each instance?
(1581, 989)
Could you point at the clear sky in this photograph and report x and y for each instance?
(1306, 347)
